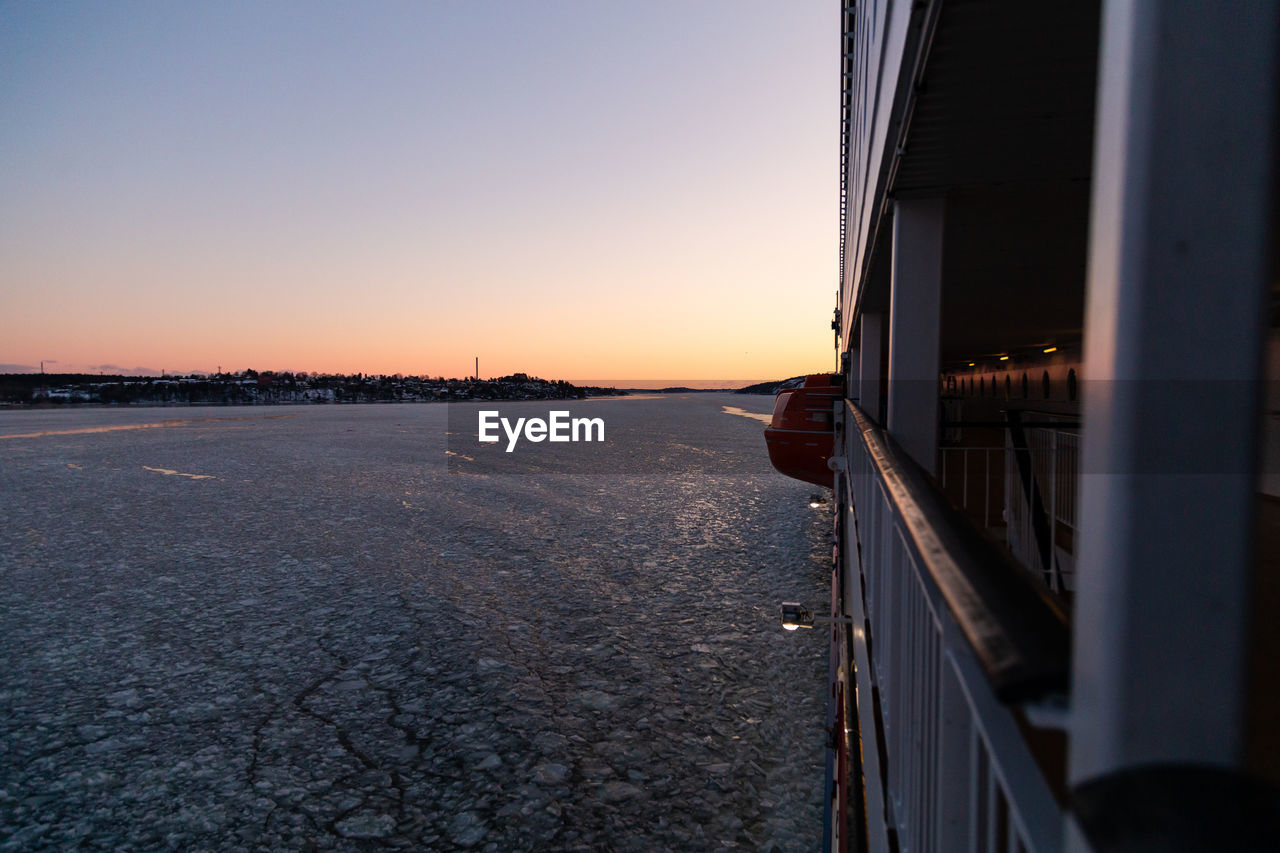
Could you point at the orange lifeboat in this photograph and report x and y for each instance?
(801, 433)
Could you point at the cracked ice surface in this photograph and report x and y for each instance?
(337, 641)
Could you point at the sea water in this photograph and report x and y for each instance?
(301, 627)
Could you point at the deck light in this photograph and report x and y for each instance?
(796, 615)
(1004, 358)
(1050, 349)
(971, 364)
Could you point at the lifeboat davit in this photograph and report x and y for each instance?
(801, 433)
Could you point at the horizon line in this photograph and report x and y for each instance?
(645, 383)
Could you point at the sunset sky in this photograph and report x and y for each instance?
(595, 189)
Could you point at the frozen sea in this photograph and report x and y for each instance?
(356, 627)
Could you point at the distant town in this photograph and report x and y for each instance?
(276, 387)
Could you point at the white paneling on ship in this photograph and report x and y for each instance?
(1052, 436)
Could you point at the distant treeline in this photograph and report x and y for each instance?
(772, 387)
(252, 386)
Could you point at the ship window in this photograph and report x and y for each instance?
(1008, 388)
(1071, 385)
(1044, 385)
(982, 386)
(1026, 388)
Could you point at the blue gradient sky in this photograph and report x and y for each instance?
(570, 189)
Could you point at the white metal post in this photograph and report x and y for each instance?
(854, 361)
(1174, 330)
(914, 324)
(869, 365)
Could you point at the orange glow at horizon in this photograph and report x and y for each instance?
(548, 343)
(745, 306)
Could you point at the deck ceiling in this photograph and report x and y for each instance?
(1003, 127)
(1007, 97)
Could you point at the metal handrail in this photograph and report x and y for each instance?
(1019, 634)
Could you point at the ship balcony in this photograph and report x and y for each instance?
(960, 640)
(1030, 191)
(1018, 481)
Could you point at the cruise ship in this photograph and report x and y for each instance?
(1052, 439)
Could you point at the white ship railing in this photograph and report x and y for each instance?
(1055, 473)
(979, 475)
(951, 641)
(985, 481)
